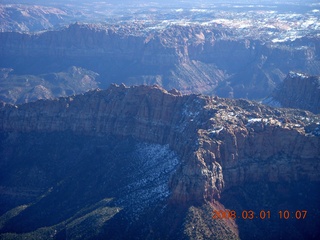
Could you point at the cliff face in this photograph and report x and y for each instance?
(126, 43)
(192, 59)
(299, 91)
(17, 89)
(19, 17)
(221, 143)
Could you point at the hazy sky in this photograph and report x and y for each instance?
(160, 1)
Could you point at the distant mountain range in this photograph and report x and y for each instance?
(135, 120)
(17, 89)
(27, 17)
(188, 58)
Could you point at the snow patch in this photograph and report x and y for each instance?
(199, 10)
(153, 167)
(253, 120)
(297, 75)
(256, 120)
(215, 131)
(189, 113)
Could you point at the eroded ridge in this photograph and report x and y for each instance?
(221, 142)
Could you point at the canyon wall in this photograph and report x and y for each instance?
(221, 143)
(298, 91)
(192, 59)
(17, 89)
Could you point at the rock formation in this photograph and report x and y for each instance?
(298, 91)
(143, 162)
(221, 142)
(17, 89)
(21, 17)
(225, 148)
(192, 59)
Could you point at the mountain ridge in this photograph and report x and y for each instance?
(192, 59)
(298, 90)
(215, 132)
(223, 151)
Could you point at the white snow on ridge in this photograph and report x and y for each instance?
(257, 120)
(200, 10)
(297, 75)
(253, 120)
(309, 22)
(154, 165)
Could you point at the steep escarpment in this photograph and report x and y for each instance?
(298, 91)
(138, 112)
(222, 142)
(105, 163)
(192, 59)
(256, 143)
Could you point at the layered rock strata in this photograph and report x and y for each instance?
(17, 89)
(192, 59)
(298, 90)
(221, 142)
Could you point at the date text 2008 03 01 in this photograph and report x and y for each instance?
(263, 214)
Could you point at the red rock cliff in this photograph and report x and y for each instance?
(221, 142)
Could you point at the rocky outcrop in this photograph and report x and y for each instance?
(192, 59)
(21, 17)
(221, 143)
(17, 89)
(298, 91)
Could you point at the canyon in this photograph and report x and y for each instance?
(192, 59)
(149, 120)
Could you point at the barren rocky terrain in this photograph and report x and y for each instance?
(297, 91)
(226, 49)
(209, 152)
(192, 59)
(142, 120)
